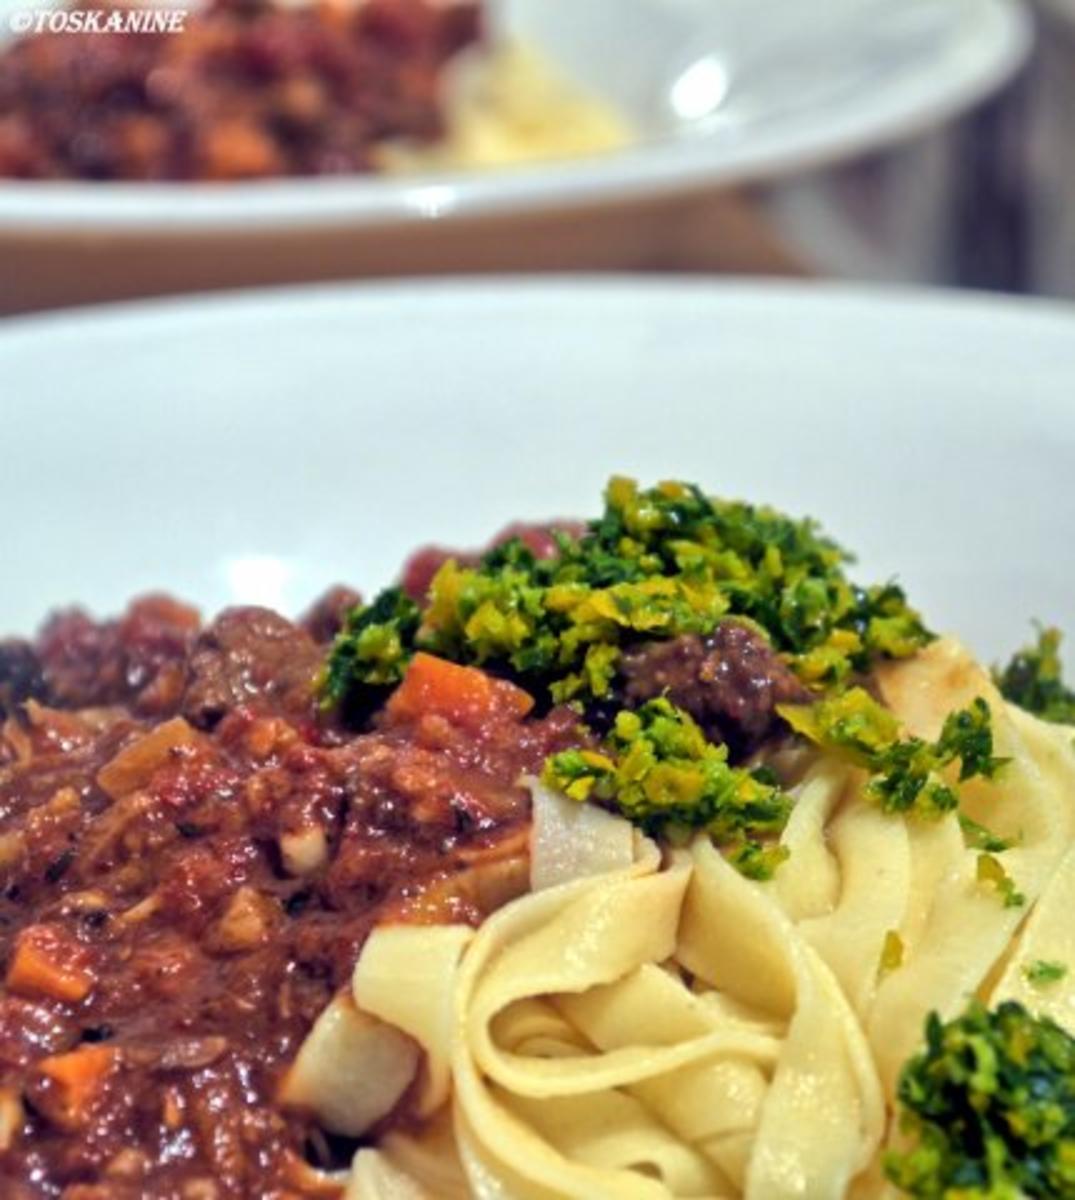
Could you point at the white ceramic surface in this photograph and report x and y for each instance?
(265, 446)
(722, 92)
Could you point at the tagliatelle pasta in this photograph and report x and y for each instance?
(956, 934)
(673, 1029)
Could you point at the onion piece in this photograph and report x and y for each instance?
(133, 767)
(569, 840)
(305, 851)
(375, 1177)
(351, 1070)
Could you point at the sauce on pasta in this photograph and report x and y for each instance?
(632, 859)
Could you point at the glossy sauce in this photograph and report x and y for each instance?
(190, 859)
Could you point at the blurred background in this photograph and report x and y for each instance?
(985, 201)
(963, 176)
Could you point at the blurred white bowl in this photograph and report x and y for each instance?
(721, 92)
(262, 447)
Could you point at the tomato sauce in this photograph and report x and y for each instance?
(191, 854)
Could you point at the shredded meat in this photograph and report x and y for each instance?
(730, 681)
(139, 659)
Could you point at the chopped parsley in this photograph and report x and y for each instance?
(979, 838)
(1034, 680)
(892, 952)
(991, 872)
(988, 1109)
(660, 772)
(374, 645)
(1043, 973)
(659, 563)
(905, 772)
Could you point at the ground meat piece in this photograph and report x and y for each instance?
(140, 658)
(730, 681)
(254, 658)
(20, 675)
(326, 617)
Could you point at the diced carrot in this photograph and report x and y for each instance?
(73, 1080)
(463, 695)
(47, 962)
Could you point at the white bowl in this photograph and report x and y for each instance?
(721, 92)
(260, 448)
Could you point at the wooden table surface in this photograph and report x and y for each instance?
(713, 233)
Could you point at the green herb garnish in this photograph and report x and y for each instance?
(1034, 680)
(978, 837)
(991, 872)
(905, 772)
(892, 952)
(989, 1110)
(374, 645)
(658, 564)
(1042, 973)
(659, 771)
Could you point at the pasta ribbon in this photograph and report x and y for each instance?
(653, 1025)
(956, 931)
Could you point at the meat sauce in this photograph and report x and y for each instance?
(191, 854)
(247, 89)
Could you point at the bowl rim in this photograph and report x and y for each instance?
(517, 294)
